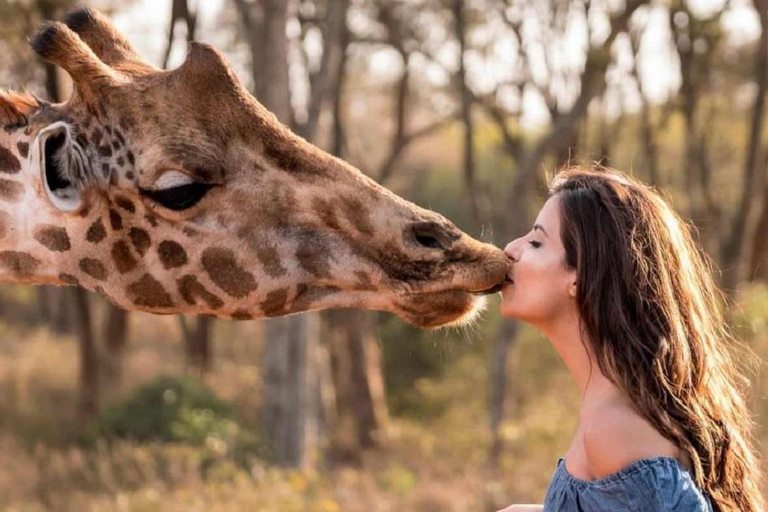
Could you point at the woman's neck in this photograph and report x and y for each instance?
(574, 348)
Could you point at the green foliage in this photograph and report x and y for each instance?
(179, 410)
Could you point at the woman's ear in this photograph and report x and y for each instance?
(573, 284)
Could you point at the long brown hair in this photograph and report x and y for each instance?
(653, 315)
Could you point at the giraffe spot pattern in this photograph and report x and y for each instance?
(172, 254)
(364, 283)
(121, 254)
(241, 314)
(191, 289)
(115, 220)
(140, 240)
(53, 238)
(5, 224)
(105, 171)
(23, 148)
(358, 215)
(93, 268)
(270, 260)
(313, 255)
(148, 292)
(224, 271)
(306, 296)
(274, 304)
(20, 264)
(9, 164)
(11, 191)
(96, 233)
(126, 204)
(69, 279)
(121, 161)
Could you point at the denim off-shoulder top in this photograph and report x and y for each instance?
(647, 485)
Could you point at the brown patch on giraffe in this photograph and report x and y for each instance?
(190, 232)
(191, 289)
(11, 191)
(313, 254)
(23, 148)
(364, 282)
(115, 220)
(105, 171)
(93, 268)
(9, 164)
(96, 233)
(121, 254)
(241, 314)
(274, 304)
(358, 215)
(306, 296)
(172, 254)
(129, 175)
(326, 212)
(151, 219)
(268, 255)
(224, 271)
(148, 292)
(20, 264)
(5, 224)
(130, 158)
(96, 136)
(69, 279)
(53, 238)
(125, 203)
(121, 161)
(105, 151)
(140, 240)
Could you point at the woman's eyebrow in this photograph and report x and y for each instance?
(540, 227)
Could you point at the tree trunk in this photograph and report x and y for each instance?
(89, 360)
(291, 392)
(290, 414)
(470, 178)
(115, 336)
(497, 388)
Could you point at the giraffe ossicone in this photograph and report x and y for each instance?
(178, 192)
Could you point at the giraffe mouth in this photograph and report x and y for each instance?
(493, 289)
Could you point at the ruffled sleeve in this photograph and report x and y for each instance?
(647, 485)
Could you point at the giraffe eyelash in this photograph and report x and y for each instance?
(178, 198)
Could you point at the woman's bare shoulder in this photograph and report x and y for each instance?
(616, 435)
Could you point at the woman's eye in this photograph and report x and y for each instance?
(535, 244)
(179, 198)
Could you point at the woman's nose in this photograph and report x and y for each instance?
(513, 250)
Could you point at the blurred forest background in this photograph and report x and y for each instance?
(463, 106)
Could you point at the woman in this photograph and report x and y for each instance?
(614, 280)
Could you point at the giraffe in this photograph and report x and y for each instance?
(178, 192)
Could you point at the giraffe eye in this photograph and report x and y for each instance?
(179, 198)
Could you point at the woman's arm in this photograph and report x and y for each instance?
(523, 508)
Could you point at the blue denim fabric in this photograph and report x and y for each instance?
(647, 485)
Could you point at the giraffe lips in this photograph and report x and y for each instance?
(493, 289)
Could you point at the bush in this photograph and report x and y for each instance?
(179, 410)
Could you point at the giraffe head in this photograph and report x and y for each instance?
(177, 192)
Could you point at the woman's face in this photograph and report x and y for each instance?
(542, 285)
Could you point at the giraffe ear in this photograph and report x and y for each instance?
(15, 108)
(62, 164)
